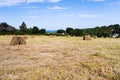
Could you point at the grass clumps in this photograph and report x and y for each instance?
(96, 54)
(116, 77)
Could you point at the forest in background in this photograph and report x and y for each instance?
(99, 31)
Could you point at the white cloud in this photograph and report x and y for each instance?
(54, 0)
(31, 1)
(58, 8)
(15, 2)
(10, 2)
(27, 7)
(87, 16)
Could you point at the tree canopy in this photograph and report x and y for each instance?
(23, 28)
(99, 31)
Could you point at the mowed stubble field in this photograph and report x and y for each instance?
(60, 58)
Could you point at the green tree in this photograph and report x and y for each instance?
(69, 30)
(35, 30)
(43, 31)
(77, 32)
(60, 31)
(23, 28)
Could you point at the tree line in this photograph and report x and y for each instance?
(23, 30)
(102, 31)
(99, 31)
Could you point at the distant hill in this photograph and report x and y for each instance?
(4, 27)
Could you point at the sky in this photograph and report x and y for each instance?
(59, 14)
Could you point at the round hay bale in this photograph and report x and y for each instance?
(86, 37)
(18, 41)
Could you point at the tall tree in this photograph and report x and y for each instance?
(23, 28)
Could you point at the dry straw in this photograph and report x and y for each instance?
(86, 37)
(18, 41)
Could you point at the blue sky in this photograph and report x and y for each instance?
(59, 14)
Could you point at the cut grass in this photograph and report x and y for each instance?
(60, 58)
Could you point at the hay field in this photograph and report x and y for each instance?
(60, 58)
